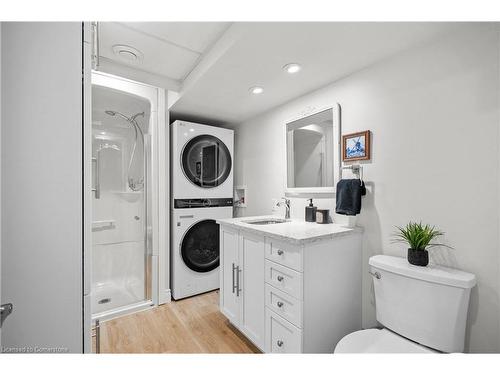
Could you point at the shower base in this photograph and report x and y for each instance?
(111, 300)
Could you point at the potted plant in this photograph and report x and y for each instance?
(419, 237)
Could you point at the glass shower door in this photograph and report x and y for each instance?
(119, 154)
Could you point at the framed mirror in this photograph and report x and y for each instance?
(313, 152)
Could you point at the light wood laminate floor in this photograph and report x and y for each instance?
(191, 325)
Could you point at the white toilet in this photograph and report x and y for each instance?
(422, 309)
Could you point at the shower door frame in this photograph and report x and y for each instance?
(159, 181)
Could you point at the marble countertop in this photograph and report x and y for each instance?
(294, 231)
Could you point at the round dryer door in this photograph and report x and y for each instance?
(200, 246)
(206, 161)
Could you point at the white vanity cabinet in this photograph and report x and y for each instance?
(242, 282)
(295, 294)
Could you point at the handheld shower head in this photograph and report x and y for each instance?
(139, 184)
(130, 119)
(115, 113)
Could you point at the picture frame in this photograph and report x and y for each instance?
(356, 146)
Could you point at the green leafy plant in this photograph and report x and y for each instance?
(418, 236)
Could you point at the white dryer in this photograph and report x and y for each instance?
(202, 161)
(195, 245)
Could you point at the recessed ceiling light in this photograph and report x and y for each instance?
(127, 52)
(256, 90)
(292, 68)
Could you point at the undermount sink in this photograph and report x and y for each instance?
(267, 221)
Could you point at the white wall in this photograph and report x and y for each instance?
(434, 115)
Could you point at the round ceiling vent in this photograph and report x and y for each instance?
(127, 53)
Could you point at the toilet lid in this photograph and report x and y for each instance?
(378, 341)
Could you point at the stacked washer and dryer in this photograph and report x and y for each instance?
(202, 192)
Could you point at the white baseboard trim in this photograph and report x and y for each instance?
(165, 296)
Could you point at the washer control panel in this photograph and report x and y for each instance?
(203, 202)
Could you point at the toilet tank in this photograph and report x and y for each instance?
(425, 304)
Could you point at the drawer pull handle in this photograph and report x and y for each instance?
(280, 278)
(279, 303)
(280, 252)
(279, 343)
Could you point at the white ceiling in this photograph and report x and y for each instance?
(170, 49)
(216, 63)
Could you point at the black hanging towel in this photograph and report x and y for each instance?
(348, 195)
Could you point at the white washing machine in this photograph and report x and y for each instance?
(195, 245)
(202, 160)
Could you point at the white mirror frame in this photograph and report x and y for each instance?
(337, 165)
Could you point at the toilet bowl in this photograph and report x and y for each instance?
(376, 340)
(422, 309)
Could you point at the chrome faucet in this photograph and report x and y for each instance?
(286, 202)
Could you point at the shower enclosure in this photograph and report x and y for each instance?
(124, 260)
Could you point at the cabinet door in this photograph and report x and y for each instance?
(229, 301)
(251, 281)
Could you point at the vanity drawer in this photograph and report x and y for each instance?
(284, 253)
(285, 305)
(284, 279)
(281, 336)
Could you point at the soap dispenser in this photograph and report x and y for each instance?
(311, 212)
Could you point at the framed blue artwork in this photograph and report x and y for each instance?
(356, 146)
